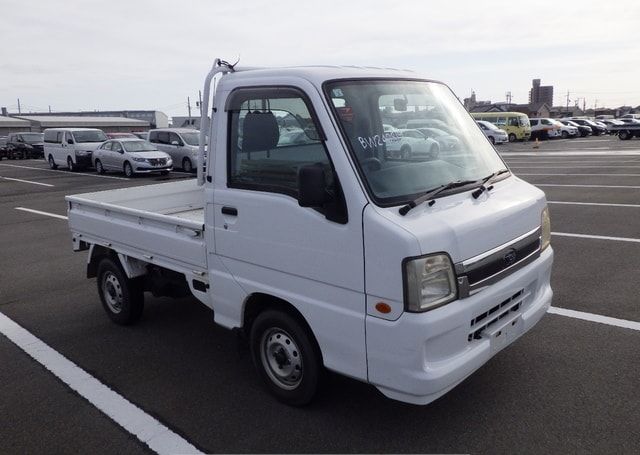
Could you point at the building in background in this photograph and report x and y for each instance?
(185, 122)
(154, 119)
(13, 125)
(541, 93)
(38, 123)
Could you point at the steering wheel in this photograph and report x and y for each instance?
(372, 163)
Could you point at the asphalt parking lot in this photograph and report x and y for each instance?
(569, 386)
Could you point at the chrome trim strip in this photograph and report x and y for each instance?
(481, 256)
(480, 285)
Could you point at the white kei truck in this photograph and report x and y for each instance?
(326, 251)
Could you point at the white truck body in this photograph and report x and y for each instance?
(240, 246)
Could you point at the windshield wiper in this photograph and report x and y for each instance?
(431, 194)
(476, 194)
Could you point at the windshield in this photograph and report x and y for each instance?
(397, 166)
(32, 138)
(524, 121)
(89, 136)
(138, 146)
(191, 138)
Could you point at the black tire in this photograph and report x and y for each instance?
(187, 166)
(52, 164)
(286, 357)
(624, 135)
(565, 135)
(512, 137)
(493, 141)
(121, 297)
(164, 172)
(434, 151)
(128, 170)
(70, 164)
(405, 151)
(99, 168)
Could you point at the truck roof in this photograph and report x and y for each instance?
(319, 74)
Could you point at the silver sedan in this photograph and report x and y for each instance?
(131, 156)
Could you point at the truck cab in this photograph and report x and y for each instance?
(406, 272)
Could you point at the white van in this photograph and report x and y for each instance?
(71, 147)
(180, 143)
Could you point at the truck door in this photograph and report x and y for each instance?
(269, 243)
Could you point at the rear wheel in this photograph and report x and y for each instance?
(99, 169)
(70, 165)
(491, 138)
(512, 137)
(624, 135)
(186, 165)
(122, 298)
(128, 170)
(52, 163)
(286, 356)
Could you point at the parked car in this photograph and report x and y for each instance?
(3, 147)
(610, 122)
(629, 120)
(516, 124)
(631, 116)
(446, 141)
(131, 156)
(71, 147)
(583, 131)
(492, 132)
(596, 129)
(544, 128)
(180, 143)
(24, 145)
(121, 135)
(408, 143)
(430, 123)
(567, 131)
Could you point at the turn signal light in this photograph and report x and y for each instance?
(383, 308)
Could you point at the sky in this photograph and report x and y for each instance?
(140, 54)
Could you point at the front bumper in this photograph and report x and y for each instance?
(84, 160)
(421, 356)
(148, 169)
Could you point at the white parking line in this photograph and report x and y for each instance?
(607, 204)
(53, 215)
(583, 152)
(146, 428)
(25, 181)
(603, 175)
(624, 323)
(588, 186)
(67, 172)
(569, 166)
(596, 237)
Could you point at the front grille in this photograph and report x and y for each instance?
(158, 161)
(478, 272)
(508, 307)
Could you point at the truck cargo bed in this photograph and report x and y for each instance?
(161, 224)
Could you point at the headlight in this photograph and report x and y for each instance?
(545, 226)
(83, 152)
(139, 160)
(169, 161)
(429, 282)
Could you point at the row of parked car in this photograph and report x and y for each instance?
(156, 151)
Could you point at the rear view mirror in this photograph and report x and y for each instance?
(400, 104)
(312, 186)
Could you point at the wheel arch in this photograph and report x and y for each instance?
(258, 302)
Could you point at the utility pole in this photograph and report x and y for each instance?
(508, 94)
(19, 112)
(200, 101)
(189, 107)
(49, 109)
(567, 101)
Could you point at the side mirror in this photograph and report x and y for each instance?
(312, 186)
(69, 141)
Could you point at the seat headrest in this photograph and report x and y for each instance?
(260, 132)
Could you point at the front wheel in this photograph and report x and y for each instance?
(52, 163)
(286, 357)
(70, 165)
(624, 135)
(128, 170)
(493, 141)
(565, 135)
(405, 152)
(99, 169)
(186, 165)
(512, 137)
(122, 298)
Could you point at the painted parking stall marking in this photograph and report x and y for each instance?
(75, 174)
(26, 181)
(603, 204)
(596, 237)
(39, 212)
(624, 323)
(131, 418)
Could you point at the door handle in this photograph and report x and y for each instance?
(226, 210)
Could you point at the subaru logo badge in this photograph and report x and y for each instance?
(509, 257)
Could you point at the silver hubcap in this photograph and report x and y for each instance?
(99, 167)
(112, 292)
(281, 358)
(127, 170)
